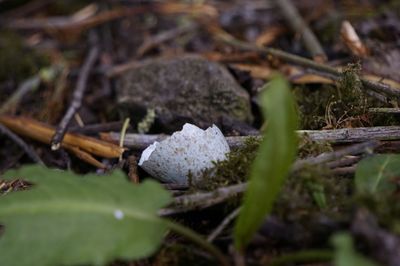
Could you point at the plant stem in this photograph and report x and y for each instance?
(198, 239)
(303, 256)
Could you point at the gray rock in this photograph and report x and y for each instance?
(186, 89)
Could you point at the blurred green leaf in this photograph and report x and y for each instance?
(378, 174)
(345, 255)
(274, 159)
(65, 219)
(318, 193)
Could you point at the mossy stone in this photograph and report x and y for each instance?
(185, 89)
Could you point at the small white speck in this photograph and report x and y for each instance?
(118, 214)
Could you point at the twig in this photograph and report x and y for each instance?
(203, 200)
(26, 86)
(349, 170)
(77, 98)
(85, 156)
(43, 133)
(223, 224)
(164, 36)
(96, 128)
(345, 161)
(334, 136)
(348, 135)
(296, 22)
(28, 150)
(330, 156)
(384, 110)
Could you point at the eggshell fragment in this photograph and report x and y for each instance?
(186, 153)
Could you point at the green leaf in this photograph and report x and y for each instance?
(318, 193)
(65, 219)
(345, 255)
(271, 166)
(377, 174)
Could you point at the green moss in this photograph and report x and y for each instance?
(232, 171)
(334, 107)
(308, 147)
(312, 104)
(384, 119)
(350, 90)
(16, 61)
(313, 191)
(146, 123)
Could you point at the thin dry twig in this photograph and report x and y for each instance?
(164, 36)
(223, 224)
(27, 149)
(384, 110)
(297, 23)
(96, 128)
(334, 136)
(43, 133)
(77, 98)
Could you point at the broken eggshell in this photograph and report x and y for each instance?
(185, 154)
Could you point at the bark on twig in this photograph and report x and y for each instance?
(335, 136)
(96, 128)
(77, 98)
(299, 26)
(384, 110)
(42, 132)
(164, 36)
(223, 224)
(348, 135)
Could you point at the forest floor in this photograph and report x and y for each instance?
(73, 72)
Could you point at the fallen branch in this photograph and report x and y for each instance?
(349, 135)
(334, 136)
(384, 110)
(43, 133)
(77, 98)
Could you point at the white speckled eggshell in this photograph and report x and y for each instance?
(190, 150)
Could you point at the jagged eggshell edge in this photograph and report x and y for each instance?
(186, 152)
